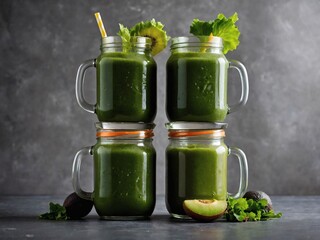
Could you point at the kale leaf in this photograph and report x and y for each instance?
(242, 210)
(57, 212)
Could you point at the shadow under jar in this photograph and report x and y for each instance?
(124, 171)
(197, 73)
(126, 77)
(196, 167)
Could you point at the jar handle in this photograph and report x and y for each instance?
(244, 85)
(79, 85)
(76, 173)
(243, 171)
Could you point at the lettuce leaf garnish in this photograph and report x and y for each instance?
(201, 28)
(221, 27)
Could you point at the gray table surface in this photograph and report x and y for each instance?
(18, 220)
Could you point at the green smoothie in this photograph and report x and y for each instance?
(197, 87)
(195, 172)
(124, 179)
(126, 87)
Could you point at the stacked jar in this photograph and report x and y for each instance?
(196, 106)
(124, 157)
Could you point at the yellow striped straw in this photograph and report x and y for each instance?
(100, 25)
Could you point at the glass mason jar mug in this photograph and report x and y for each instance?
(126, 76)
(196, 168)
(197, 73)
(124, 171)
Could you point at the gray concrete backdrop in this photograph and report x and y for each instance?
(43, 42)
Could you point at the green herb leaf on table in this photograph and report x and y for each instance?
(221, 27)
(242, 210)
(56, 212)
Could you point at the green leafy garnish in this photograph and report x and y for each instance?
(242, 210)
(221, 27)
(124, 33)
(151, 29)
(201, 28)
(57, 212)
(136, 29)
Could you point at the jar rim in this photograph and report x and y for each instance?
(193, 41)
(181, 125)
(137, 41)
(123, 126)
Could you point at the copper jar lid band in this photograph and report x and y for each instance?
(192, 133)
(145, 133)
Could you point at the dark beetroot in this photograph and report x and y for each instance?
(77, 207)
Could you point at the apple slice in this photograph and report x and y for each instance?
(205, 210)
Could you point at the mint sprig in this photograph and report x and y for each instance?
(124, 33)
(242, 210)
(56, 212)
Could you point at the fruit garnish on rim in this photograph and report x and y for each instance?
(220, 27)
(151, 29)
(205, 210)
